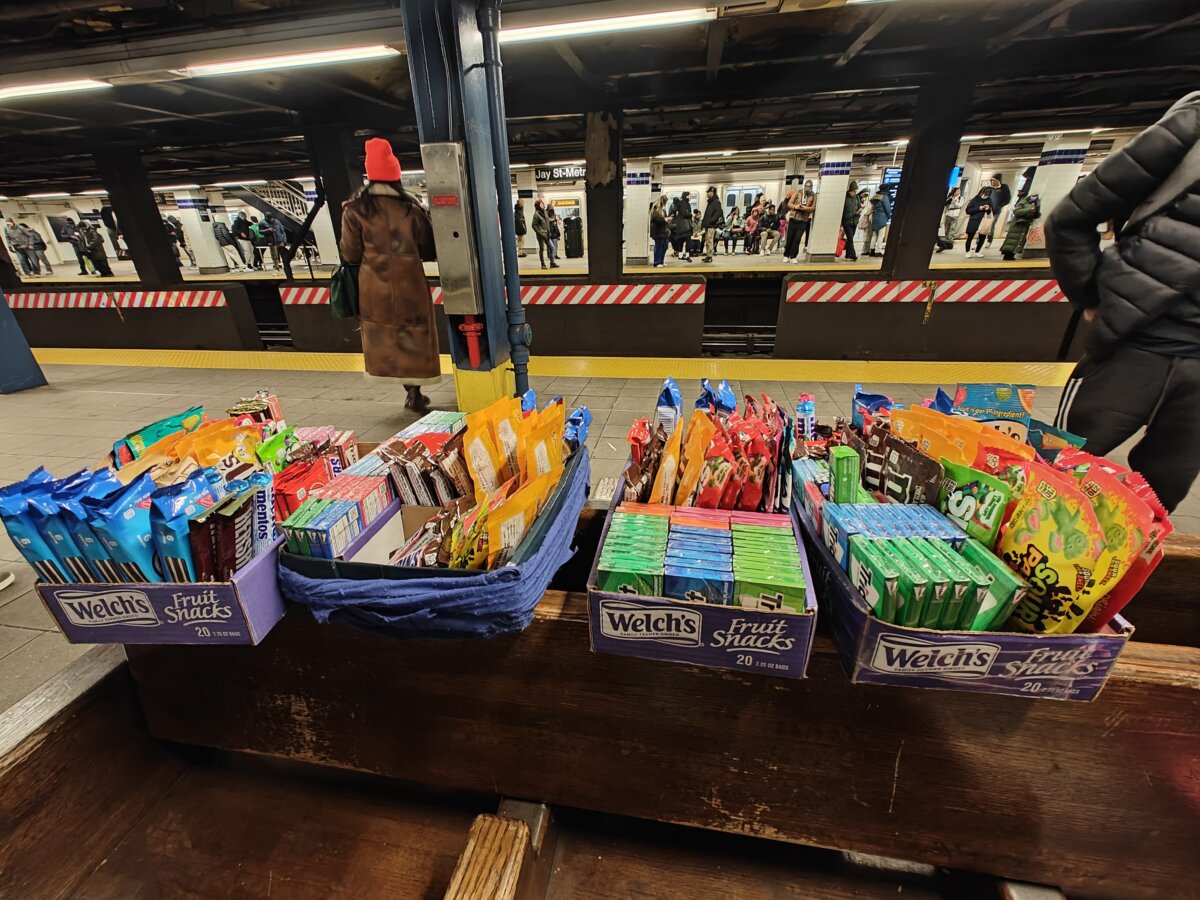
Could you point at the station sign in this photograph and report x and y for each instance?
(561, 173)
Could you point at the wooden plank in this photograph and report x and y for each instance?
(490, 867)
(1103, 797)
(1167, 609)
(229, 831)
(543, 845)
(77, 781)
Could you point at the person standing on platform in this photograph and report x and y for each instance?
(229, 247)
(173, 238)
(881, 216)
(20, 244)
(258, 240)
(91, 242)
(733, 229)
(38, 246)
(850, 212)
(1141, 300)
(555, 234)
(241, 234)
(387, 233)
(177, 227)
(1025, 213)
(1001, 197)
(799, 212)
(712, 223)
(73, 237)
(519, 225)
(660, 231)
(541, 230)
(681, 225)
(951, 216)
(276, 236)
(981, 218)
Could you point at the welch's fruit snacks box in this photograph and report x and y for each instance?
(760, 623)
(1049, 666)
(239, 611)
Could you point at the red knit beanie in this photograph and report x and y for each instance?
(382, 164)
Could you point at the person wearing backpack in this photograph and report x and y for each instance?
(1027, 211)
(1140, 300)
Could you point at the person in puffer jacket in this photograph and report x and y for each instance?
(1140, 299)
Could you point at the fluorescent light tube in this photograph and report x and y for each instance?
(239, 183)
(100, 192)
(177, 187)
(292, 60)
(51, 196)
(51, 87)
(606, 26)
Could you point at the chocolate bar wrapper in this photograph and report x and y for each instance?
(202, 539)
(234, 528)
(909, 476)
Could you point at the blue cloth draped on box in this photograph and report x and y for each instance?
(482, 605)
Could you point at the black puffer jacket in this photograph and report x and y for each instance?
(1145, 289)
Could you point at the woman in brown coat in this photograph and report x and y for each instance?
(387, 232)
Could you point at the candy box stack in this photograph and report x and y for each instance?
(987, 568)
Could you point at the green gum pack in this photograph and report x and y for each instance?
(972, 596)
(764, 591)
(960, 583)
(625, 576)
(913, 586)
(931, 613)
(875, 577)
(1007, 589)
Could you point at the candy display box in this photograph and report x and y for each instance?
(1050, 666)
(701, 634)
(240, 611)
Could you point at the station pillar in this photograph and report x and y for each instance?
(19, 371)
(1058, 169)
(197, 220)
(334, 153)
(827, 217)
(322, 231)
(793, 175)
(943, 105)
(602, 149)
(138, 217)
(637, 211)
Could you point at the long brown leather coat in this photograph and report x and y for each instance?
(395, 309)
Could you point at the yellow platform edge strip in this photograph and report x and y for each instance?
(866, 371)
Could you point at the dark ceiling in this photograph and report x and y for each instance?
(834, 75)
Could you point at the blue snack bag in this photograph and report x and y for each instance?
(528, 401)
(122, 522)
(669, 408)
(75, 518)
(1006, 407)
(726, 401)
(171, 508)
(1049, 441)
(48, 518)
(20, 521)
(864, 405)
(941, 402)
(575, 432)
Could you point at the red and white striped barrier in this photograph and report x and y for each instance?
(1005, 291)
(549, 295)
(857, 292)
(170, 299)
(60, 300)
(1000, 291)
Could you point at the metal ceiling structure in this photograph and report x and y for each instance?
(757, 78)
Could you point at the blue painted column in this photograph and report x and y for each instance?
(19, 371)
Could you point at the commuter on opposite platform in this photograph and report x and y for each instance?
(38, 246)
(660, 231)
(1001, 197)
(387, 233)
(799, 213)
(555, 234)
(241, 233)
(712, 223)
(681, 226)
(952, 211)
(850, 212)
(91, 242)
(881, 217)
(981, 218)
(768, 226)
(229, 247)
(541, 230)
(21, 244)
(519, 223)
(733, 230)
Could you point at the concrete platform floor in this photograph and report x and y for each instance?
(73, 422)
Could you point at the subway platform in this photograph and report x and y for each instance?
(96, 396)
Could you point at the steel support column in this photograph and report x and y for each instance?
(605, 196)
(138, 217)
(943, 104)
(336, 167)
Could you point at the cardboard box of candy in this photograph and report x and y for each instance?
(875, 651)
(711, 588)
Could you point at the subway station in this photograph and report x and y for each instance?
(600, 449)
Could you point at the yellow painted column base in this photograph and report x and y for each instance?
(476, 390)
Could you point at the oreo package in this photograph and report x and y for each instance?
(20, 521)
(76, 519)
(122, 522)
(171, 509)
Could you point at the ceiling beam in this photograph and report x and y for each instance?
(1185, 22)
(869, 34)
(1011, 36)
(590, 79)
(718, 34)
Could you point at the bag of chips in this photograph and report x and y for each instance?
(485, 461)
(134, 444)
(1007, 408)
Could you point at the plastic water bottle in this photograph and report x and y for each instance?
(806, 417)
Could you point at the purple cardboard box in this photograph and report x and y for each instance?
(701, 634)
(1052, 666)
(240, 611)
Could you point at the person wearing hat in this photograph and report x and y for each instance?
(387, 233)
(1001, 197)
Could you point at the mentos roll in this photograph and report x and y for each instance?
(265, 530)
(216, 483)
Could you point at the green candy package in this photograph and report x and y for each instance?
(975, 501)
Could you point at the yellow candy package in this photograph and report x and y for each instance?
(699, 435)
(231, 450)
(928, 434)
(663, 490)
(485, 461)
(544, 448)
(509, 519)
(504, 419)
(1055, 542)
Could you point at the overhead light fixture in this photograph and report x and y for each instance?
(800, 147)
(966, 138)
(176, 187)
(238, 183)
(1057, 131)
(696, 155)
(55, 195)
(306, 179)
(3, 198)
(292, 60)
(608, 25)
(567, 162)
(518, 165)
(99, 192)
(51, 87)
